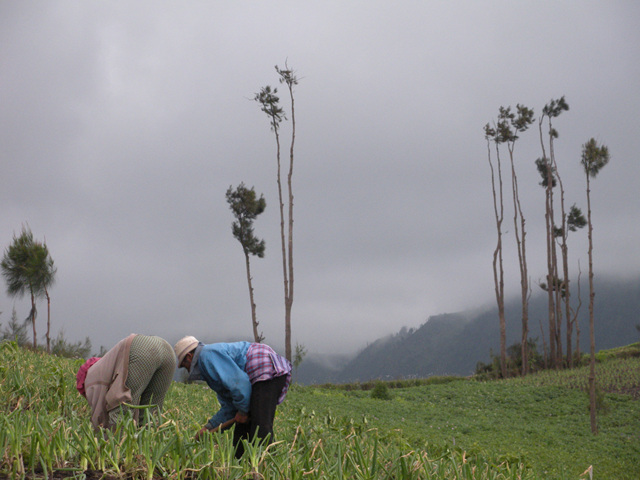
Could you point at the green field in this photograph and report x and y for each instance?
(526, 428)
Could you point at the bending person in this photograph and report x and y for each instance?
(250, 380)
(138, 370)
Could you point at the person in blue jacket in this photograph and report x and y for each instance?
(250, 379)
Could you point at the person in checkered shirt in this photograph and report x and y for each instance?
(250, 379)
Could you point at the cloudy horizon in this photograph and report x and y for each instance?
(122, 126)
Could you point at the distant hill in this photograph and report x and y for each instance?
(452, 344)
(317, 369)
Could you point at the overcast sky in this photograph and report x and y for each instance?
(122, 124)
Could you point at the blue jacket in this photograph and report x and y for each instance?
(222, 366)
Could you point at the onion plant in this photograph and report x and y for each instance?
(45, 430)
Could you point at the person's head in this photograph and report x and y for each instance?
(184, 351)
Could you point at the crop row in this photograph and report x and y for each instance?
(45, 429)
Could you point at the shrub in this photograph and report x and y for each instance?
(380, 391)
(63, 348)
(627, 351)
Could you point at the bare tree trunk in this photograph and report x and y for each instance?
(498, 269)
(567, 305)
(519, 228)
(501, 313)
(565, 291)
(46, 292)
(550, 247)
(544, 346)
(557, 286)
(289, 293)
(574, 319)
(592, 363)
(254, 320)
(554, 287)
(550, 281)
(33, 319)
(285, 270)
(553, 109)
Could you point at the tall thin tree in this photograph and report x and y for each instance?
(246, 207)
(548, 182)
(269, 101)
(546, 167)
(513, 125)
(594, 158)
(491, 135)
(552, 110)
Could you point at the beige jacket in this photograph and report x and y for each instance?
(105, 383)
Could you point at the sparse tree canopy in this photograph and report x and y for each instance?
(576, 219)
(546, 171)
(270, 104)
(246, 207)
(594, 157)
(17, 264)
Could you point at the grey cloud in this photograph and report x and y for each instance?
(122, 125)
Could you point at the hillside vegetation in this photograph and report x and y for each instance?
(453, 343)
(449, 428)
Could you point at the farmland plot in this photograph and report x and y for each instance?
(449, 431)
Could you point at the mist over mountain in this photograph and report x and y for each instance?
(453, 343)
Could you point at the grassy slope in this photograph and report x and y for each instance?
(542, 419)
(538, 419)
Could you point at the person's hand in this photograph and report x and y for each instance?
(241, 417)
(201, 432)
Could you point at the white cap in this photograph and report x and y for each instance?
(184, 346)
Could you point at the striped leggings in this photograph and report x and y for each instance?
(152, 364)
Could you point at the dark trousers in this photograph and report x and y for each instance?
(262, 410)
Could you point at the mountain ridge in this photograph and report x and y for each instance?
(453, 343)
